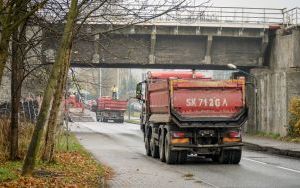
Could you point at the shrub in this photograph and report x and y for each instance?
(294, 121)
(25, 133)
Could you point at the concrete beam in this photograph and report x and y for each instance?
(96, 57)
(154, 66)
(208, 50)
(186, 30)
(264, 44)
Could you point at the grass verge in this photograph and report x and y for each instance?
(73, 167)
(133, 121)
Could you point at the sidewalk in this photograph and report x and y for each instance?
(272, 146)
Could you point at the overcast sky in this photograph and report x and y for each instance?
(258, 3)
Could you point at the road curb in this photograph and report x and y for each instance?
(272, 150)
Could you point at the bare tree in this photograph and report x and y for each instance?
(62, 60)
(85, 12)
(18, 46)
(12, 15)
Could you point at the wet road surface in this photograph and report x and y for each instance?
(121, 147)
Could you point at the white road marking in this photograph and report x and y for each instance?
(255, 161)
(280, 167)
(289, 169)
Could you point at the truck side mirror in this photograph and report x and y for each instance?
(139, 91)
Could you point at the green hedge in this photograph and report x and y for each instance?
(294, 121)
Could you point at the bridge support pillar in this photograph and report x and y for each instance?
(265, 41)
(277, 84)
(96, 59)
(152, 47)
(208, 49)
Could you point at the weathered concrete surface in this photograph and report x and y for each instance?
(144, 45)
(277, 84)
(5, 87)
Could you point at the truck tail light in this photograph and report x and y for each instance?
(232, 136)
(178, 135)
(180, 140)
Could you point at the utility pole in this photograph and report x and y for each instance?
(99, 83)
(129, 93)
(118, 82)
(96, 59)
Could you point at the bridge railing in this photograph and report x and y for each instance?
(189, 14)
(197, 15)
(292, 17)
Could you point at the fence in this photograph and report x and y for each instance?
(134, 13)
(28, 110)
(292, 17)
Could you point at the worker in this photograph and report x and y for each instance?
(114, 90)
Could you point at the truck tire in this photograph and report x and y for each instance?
(147, 144)
(182, 157)
(161, 147)
(230, 156)
(153, 148)
(171, 156)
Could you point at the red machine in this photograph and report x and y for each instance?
(110, 109)
(186, 113)
(73, 102)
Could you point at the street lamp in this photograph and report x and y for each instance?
(234, 67)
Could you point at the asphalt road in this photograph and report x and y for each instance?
(121, 147)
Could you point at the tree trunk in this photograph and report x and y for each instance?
(3, 57)
(48, 153)
(61, 59)
(15, 98)
(17, 74)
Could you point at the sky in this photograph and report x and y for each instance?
(258, 3)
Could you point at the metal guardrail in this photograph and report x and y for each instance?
(131, 13)
(188, 14)
(292, 17)
(197, 15)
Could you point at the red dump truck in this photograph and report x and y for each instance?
(185, 113)
(110, 109)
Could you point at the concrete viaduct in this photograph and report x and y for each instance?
(265, 42)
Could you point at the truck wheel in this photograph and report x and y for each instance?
(153, 147)
(161, 147)
(147, 145)
(230, 156)
(182, 157)
(171, 156)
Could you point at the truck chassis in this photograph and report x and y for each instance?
(105, 115)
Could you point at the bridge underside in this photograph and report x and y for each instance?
(155, 66)
(163, 46)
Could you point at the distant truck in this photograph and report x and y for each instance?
(185, 113)
(110, 109)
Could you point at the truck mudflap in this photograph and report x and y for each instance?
(199, 146)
